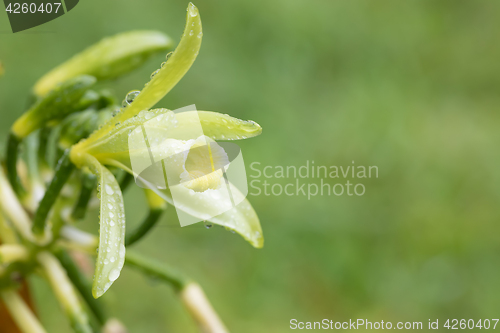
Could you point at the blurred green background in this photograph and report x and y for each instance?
(412, 87)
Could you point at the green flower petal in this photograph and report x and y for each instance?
(109, 58)
(241, 219)
(219, 126)
(113, 148)
(111, 255)
(60, 102)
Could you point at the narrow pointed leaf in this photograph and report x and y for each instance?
(60, 102)
(108, 59)
(176, 66)
(111, 255)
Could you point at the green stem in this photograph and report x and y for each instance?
(36, 186)
(43, 138)
(31, 148)
(13, 143)
(156, 207)
(14, 211)
(13, 252)
(21, 313)
(63, 171)
(198, 305)
(156, 269)
(125, 181)
(148, 223)
(65, 292)
(7, 233)
(88, 185)
(82, 284)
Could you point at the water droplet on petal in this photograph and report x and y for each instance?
(131, 96)
(154, 73)
(114, 274)
(109, 190)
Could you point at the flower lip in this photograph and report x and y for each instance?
(196, 164)
(204, 165)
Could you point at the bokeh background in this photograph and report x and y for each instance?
(412, 87)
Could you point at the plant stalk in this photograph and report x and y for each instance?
(88, 185)
(201, 310)
(82, 284)
(65, 292)
(62, 173)
(13, 252)
(13, 209)
(148, 223)
(13, 143)
(21, 313)
(156, 269)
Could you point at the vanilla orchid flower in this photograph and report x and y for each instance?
(200, 188)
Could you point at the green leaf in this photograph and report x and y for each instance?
(111, 255)
(108, 59)
(176, 66)
(60, 102)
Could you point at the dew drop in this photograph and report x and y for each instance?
(208, 225)
(109, 190)
(114, 274)
(154, 73)
(192, 12)
(169, 54)
(130, 97)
